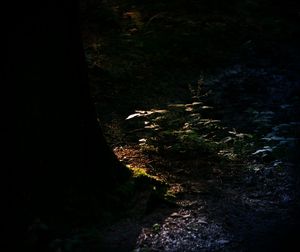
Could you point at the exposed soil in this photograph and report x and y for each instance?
(250, 205)
(151, 55)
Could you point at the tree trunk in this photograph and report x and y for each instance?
(53, 141)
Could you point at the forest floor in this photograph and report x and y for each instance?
(238, 200)
(215, 118)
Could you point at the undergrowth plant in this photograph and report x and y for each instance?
(182, 129)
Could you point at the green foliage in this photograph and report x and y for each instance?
(156, 227)
(136, 47)
(181, 129)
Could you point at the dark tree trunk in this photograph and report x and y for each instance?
(53, 142)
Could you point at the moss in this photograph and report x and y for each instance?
(140, 172)
(143, 192)
(141, 181)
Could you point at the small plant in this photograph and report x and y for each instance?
(156, 228)
(182, 129)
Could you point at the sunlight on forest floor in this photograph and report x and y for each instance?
(211, 96)
(219, 179)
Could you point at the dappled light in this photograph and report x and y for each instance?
(211, 168)
(152, 126)
(198, 96)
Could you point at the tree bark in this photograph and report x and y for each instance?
(54, 144)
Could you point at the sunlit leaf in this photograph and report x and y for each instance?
(133, 116)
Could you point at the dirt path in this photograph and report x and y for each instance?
(247, 206)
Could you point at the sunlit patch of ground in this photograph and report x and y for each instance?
(221, 204)
(132, 156)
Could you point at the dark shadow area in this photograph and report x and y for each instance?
(152, 126)
(212, 106)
